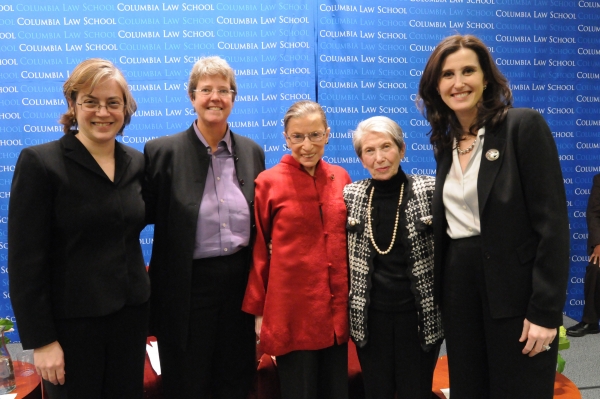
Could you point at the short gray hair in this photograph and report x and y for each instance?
(377, 124)
(303, 108)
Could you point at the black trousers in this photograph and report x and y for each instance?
(591, 290)
(104, 356)
(392, 361)
(317, 374)
(484, 354)
(219, 360)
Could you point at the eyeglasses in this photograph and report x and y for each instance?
(95, 106)
(220, 92)
(298, 138)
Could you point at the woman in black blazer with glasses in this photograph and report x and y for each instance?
(78, 282)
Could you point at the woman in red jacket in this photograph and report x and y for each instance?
(299, 294)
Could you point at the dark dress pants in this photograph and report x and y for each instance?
(104, 356)
(591, 289)
(219, 360)
(484, 354)
(392, 361)
(314, 374)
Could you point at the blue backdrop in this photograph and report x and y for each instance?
(356, 60)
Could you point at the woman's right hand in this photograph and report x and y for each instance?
(257, 325)
(49, 362)
(595, 256)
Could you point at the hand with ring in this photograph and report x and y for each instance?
(537, 339)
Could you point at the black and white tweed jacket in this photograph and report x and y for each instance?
(417, 234)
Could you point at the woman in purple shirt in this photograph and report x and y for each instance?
(199, 193)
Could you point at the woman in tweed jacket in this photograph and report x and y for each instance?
(394, 319)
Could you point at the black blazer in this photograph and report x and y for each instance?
(593, 216)
(176, 170)
(74, 237)
(524, 221)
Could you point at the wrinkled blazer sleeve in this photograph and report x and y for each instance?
(258, 279)
(546, 202)
(29, 264)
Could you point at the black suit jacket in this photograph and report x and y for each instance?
(74, 247)
(524, 221)
(593, 216)
(176, 170)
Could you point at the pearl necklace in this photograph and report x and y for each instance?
(370, 227)
(467, 150)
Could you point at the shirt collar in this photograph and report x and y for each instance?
(290, 160)
(226, 139)
(393, 183)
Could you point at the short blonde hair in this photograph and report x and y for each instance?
(85, 77)
(211, 66)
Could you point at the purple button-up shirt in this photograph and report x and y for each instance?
(224, 216)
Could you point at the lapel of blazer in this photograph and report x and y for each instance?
(198, 170)
(443, 167)
(488, 170)
(122, 161)
(76, 151)
(410, 196)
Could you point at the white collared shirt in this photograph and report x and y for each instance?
(460, 194)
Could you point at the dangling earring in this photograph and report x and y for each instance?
(484, 87)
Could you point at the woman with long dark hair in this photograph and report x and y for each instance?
(500, 225)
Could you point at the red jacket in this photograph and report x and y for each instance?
(302, 290)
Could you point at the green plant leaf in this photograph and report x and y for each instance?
(560, 364)
(7, 324)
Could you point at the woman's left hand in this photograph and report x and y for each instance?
(257, 325)
(537, 338)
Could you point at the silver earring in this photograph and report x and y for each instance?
(484, 87)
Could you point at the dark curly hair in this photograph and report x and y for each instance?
(491, 110)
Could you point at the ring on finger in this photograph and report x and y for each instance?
(546, 347)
